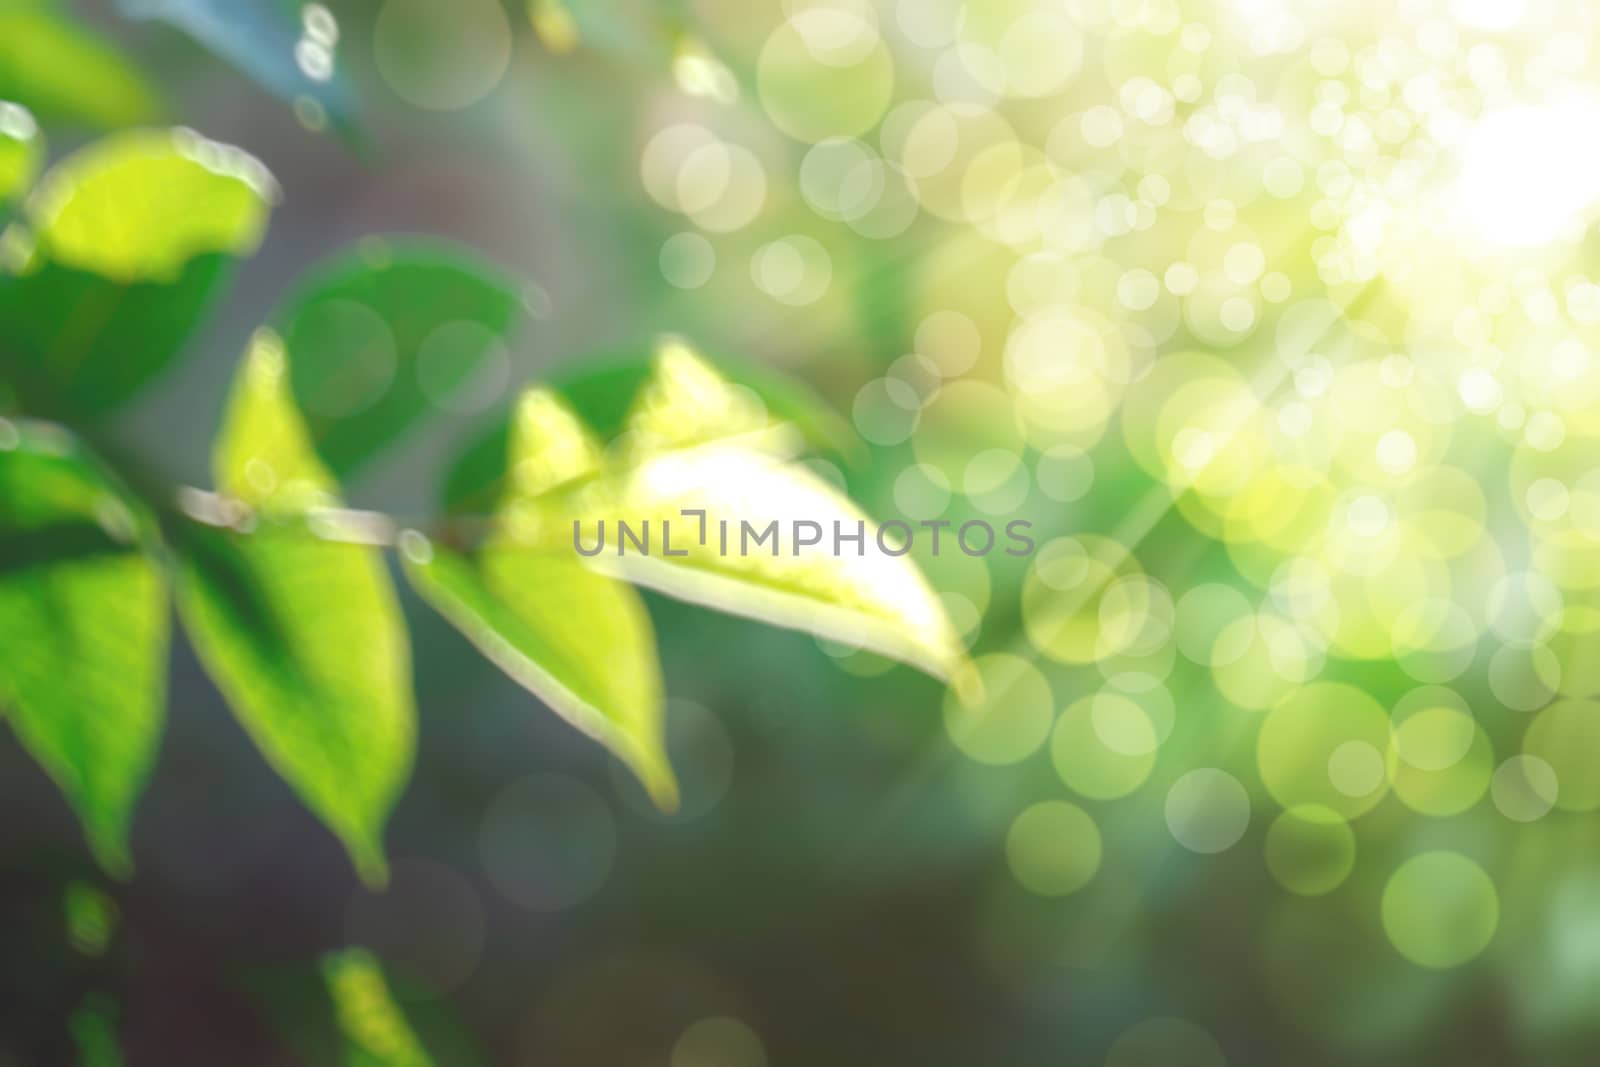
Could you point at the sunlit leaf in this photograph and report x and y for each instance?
(296, 1002)
(137, 206)
(65, 74)
(83, 631)
(372, 1023)
(391, 331)
(120, 251)
(291, 57)
(604, 389)
(862, 594)
(21, 148)
(577, 639)
(302, 634)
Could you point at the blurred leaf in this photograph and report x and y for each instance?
(303, 635)
(120, 253)
(21, 149)
(83, 631)
(137, 206)
(287, 49)
(65, 74)
(370, 1020)
(297, 1003)
(580, 641)
(603, 393)
(94, 1031)
(875, 600)
(383, 333)
(91, 918)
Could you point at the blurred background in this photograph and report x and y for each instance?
(1274, 318)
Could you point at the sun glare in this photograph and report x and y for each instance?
(1530, 173)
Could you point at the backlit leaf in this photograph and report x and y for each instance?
(604, 389)
(577, 639)
(302, 634)
(65, 74)
(83, 631)
(119, 253)
(863, 595)
(137, 206)
(391, 331)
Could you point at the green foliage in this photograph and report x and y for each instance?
(602, 390)
(578, 639)
(65, 74)
(695, 443)
(91, 918)
(122, 248)
(373, 1025)
(94, 1031)
(83, 622)
(265, 39)
(284, 593)
(303, 634)
(138, 206)
(370, 327)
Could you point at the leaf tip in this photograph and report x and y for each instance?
(371, 865)
(113, 856)
(967, 683)
(655, 774)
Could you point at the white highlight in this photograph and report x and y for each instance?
(1531, 172)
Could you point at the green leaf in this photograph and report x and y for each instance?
(302, 634)
(672, 463)
(580, 641)
(291, 57)
(65, 74)
(83, 630)
(298, 1004)
(122, 248)
(139, 205)
(21, 148)
(375, 1028)
(93, 1026)
(91, 916)
(390, 331)
(604, 390)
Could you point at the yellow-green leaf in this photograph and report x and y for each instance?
(302, 634)
(577, 639)
(91, 916)
(83, 631)
(65, 74)
(374, 1028)
(139, 205)
(21, 148)
(263, 456)
(868, 596)
(686, 402)
(113, 261)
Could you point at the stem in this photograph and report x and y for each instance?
(347, 525)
